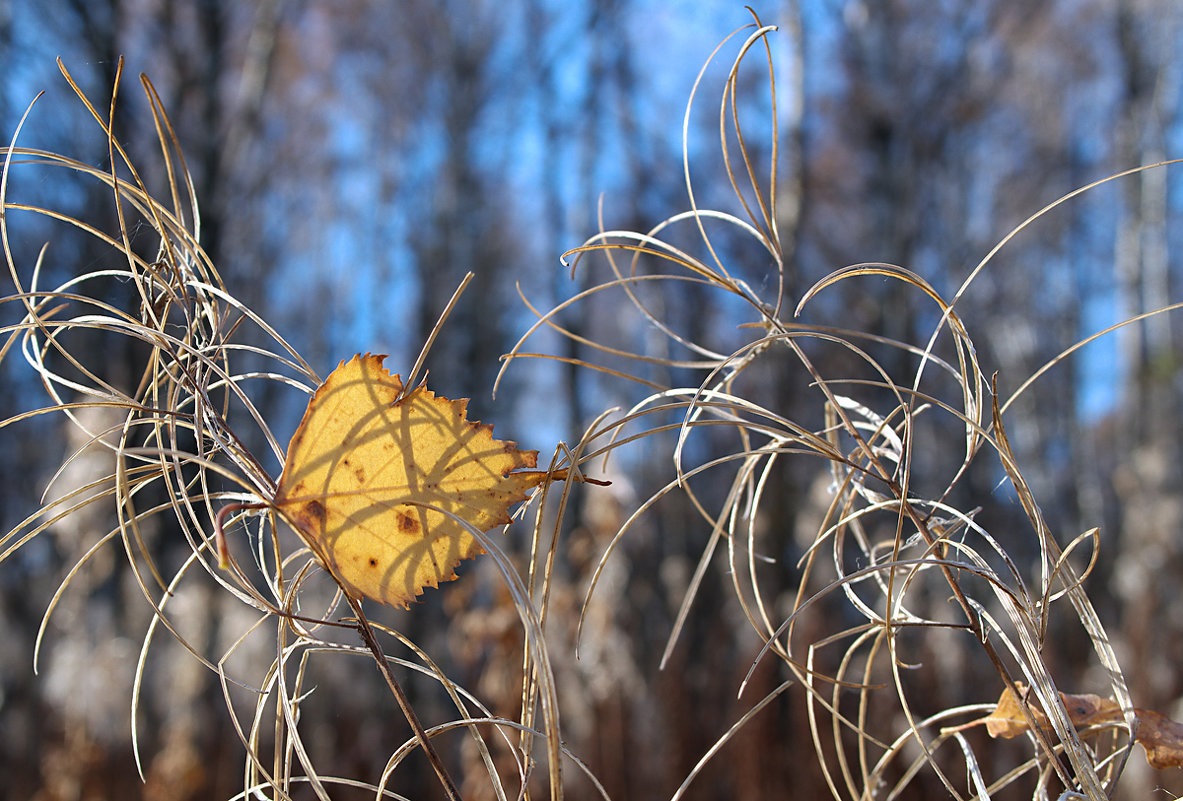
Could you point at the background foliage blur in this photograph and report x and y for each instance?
(353, 160)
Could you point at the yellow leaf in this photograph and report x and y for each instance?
(366, 465)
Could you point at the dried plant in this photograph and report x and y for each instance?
(868, 609)
(178, 447)
(878, 419)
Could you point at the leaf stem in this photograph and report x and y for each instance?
(404, 703)
(220, 531)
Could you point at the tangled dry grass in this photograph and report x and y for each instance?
(860, 625)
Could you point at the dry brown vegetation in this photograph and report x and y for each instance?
(820, 554)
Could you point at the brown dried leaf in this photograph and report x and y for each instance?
(1159, 735)
(1007, 719)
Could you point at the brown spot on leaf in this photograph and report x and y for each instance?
(312, 515)
(407, 524)
(315, 510)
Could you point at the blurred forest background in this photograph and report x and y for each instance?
(354, 159)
